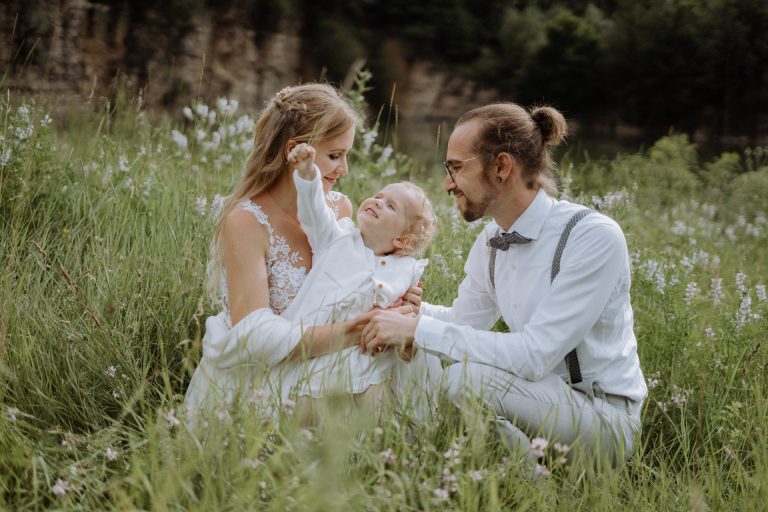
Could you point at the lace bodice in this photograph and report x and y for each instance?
(285, 268)
(285, 271)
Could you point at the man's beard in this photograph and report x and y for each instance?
(476, 209)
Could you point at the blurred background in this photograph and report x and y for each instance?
(624, 72)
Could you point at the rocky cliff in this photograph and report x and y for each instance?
(72, 50)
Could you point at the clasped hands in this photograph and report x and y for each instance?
(391, 328)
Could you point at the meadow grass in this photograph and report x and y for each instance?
(105, 222)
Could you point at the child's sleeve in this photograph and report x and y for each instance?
(418, 270)
(317, 219)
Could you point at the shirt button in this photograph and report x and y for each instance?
(383, 263)
(380, 286)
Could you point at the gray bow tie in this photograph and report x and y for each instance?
(504, 240)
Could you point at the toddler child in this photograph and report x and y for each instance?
(355, 269)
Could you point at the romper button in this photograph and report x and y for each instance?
(383, 263)
(381, 285)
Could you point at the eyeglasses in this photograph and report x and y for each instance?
(454, 166)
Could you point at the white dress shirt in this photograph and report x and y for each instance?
(586, 307)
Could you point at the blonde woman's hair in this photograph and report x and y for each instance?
(524, 134)
(421, 223)
(303, 113)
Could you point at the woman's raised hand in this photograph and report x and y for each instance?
(302, 157)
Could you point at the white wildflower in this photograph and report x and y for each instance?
(61, 488)
(385, 154)
(476, 475)
(110, 372)
(179, 139)
(679, 228)
(217, 206)
(687, 263)
(251, 463)
(200, 204)
(710, 332)
(11, 413)
(232, 107)
(717, 290)
(679, 396)
(306, 434)
(45, 121)
(122, 163)
(170, 417)
(441, 494)
(188, 113)
(201, 109)
(541, 471)
(760, 291)
(691, 292)
(108, 173)
(244, 124)
(745, 314)
(538, 445)
(740, 286)
(110, 454)
(386, 173)
(211, 117)
(5, 157)
(562, 448)
(200, 134)
(368, 139)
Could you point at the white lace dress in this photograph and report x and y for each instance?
(248, 362)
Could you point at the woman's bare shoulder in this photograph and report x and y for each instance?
(246, 225)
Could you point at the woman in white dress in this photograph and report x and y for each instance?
(260, 257)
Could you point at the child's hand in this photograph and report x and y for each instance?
(302, 157)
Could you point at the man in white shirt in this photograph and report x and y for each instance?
(556, 272)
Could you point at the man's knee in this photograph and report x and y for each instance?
(463, 382)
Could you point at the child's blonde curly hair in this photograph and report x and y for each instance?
(421, 223)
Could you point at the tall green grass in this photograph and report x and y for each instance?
(105, 221)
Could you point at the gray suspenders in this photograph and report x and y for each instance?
(571, 359)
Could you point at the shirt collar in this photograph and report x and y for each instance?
(529, 224)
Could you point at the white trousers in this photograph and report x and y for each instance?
(592, 423)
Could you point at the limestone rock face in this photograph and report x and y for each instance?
(71, 51)
(74, 49)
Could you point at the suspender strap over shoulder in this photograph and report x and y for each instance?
(571, 359)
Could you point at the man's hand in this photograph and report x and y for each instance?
(390, 328)
(302, 157)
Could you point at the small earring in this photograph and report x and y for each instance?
(498, 179)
